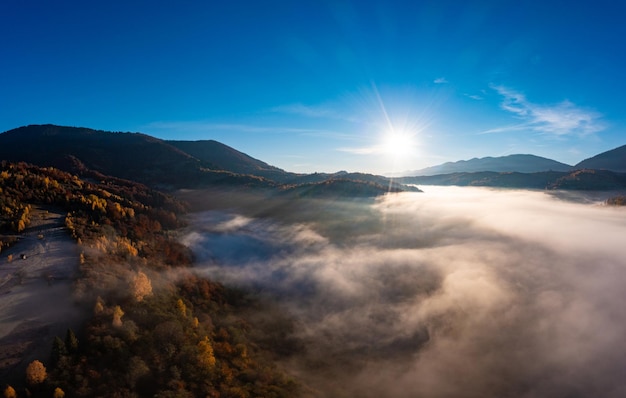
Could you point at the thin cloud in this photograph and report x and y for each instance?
(360, 150)
(314, 111)
(208, 127)
(565, 118)
(440, 80)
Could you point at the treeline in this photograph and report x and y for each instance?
(616, 201)
(156, 329)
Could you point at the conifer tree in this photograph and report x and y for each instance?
(71, 342)
(59, 349)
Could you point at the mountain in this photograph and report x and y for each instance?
(126, 155)
(539, 180)
(590, 180)
(340, 188)
(613, 160)
(510, 163)
(165, 164)
(218, 156)
(578, 180)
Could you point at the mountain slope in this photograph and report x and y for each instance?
(132, 156)
(613, 160)
(218, 156)
(510, 163)
(127, 155)
(162, 164)
(539, 180)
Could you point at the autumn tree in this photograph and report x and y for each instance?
(206, 358)
(58, 393)
(182, 308)
(36, 373)
(117, 316)
(9, 392)
(98, 308)
(141, 286)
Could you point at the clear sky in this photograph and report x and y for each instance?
(323, 85)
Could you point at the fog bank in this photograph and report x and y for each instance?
(455, 292)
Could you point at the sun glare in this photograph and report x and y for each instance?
(397, 143)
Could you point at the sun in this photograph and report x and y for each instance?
(397, 143)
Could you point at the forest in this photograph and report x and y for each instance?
(156, 329)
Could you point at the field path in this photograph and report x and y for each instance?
(36, 292)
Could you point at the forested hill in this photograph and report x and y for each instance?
(580, 180)
(155, 329)
(132, 156)
(613, 160)
(162, 164)
(511, 163)
(219, 156)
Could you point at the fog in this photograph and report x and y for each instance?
(455, 292)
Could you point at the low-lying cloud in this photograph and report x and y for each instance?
(455, 292)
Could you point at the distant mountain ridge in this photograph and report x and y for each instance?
(196, 164)
(579, 180)
(520, 163)
(613, 160)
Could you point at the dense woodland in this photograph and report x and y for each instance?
(156, 328)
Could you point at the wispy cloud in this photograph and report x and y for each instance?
(207, 127)
(368, 150)
(314, 111)
(440, 80)
(565, 118)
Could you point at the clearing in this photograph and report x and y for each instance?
(36, 301)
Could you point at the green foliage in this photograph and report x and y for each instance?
(71, 342)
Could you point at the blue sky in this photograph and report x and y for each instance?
(320, 85)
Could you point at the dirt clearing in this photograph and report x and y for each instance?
(36, 303)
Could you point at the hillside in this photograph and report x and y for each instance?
(157, 163)
(590, 180)
(150, 327)
(510, 163)
(539, 180)
(337, 187)
(218, 156)
(131, 156)
(579, 180)
(613, 160)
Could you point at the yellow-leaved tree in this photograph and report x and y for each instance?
(36, 373)
(141, 286)
(9, 392)
(206, 358)
(117, 316)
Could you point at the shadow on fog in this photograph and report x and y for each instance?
(453, 292)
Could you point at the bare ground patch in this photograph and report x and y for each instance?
(36, 300)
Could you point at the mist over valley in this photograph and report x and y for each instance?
(259, 280)
(342, 199)
(450, 292)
